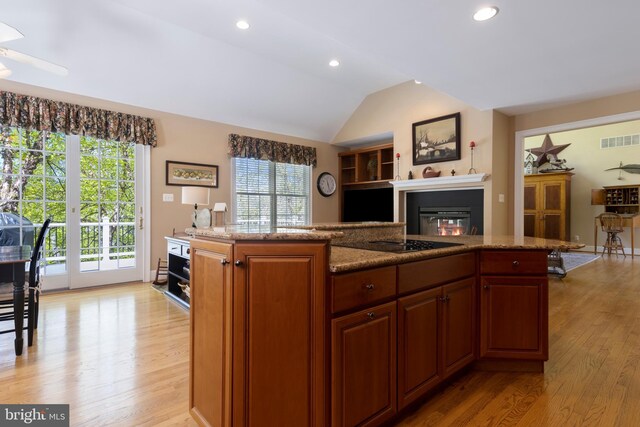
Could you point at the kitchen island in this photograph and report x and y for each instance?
(290, 330)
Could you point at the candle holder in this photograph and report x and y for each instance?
(472, 145)
(397, 178)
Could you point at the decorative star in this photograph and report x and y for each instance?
(546, 151)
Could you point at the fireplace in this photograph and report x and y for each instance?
(448, 212)
(446, 221)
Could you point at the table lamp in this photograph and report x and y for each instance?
(195, 196)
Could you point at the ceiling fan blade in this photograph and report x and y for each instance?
(4, 71)
(8, 33)
(32, 60)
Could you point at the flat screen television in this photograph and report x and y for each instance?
(374, 204)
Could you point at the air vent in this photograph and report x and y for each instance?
(620, 141)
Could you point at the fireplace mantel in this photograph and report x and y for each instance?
(440, 182)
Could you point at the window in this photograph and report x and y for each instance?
(88, 188)
(34, 187)
(620, 141)
(268, 193)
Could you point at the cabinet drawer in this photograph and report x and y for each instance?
(431, 272)
(363, 287)
(513, 262)
(179, 249)
(174, 248)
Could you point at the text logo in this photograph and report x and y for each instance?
(34, 415)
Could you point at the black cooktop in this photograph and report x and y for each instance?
(397, 246)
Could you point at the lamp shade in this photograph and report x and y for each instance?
(195, 196)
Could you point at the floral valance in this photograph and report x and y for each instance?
(41, 114)
(264, 149)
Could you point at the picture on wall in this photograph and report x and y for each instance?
(436, 140)
(192, 174)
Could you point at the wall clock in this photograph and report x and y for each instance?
(326, 184)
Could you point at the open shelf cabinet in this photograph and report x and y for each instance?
(367, 165)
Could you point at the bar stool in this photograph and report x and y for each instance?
(611, 223)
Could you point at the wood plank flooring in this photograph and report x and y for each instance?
(119, 356)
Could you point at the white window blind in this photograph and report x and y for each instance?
(268, 193)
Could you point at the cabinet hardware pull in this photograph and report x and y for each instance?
(238, 263)
(516, 263)
(370, 286)
(188, 251)
(224, 261)
(486, 287)
(446, 298)
(371, 315)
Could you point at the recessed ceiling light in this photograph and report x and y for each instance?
(334, 63)
(242, 24)
(485, 13)
(418, 82)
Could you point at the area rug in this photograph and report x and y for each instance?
(573, 260)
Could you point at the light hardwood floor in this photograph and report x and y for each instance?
(119, 356)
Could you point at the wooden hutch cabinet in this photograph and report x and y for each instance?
(621, 199)
(547, 205)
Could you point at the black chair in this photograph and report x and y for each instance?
(32, 300)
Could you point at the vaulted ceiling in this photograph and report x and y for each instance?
(188, 57)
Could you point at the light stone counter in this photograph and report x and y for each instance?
(347, 259)
(245, 232)
(349, 225)
(361, 231)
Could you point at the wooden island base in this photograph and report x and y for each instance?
(277, 340)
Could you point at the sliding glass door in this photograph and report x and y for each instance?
(90, 188)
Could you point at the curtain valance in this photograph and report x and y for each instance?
(264, 149)
(42, 114)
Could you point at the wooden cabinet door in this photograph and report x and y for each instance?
(363, 356)
(210, 338)
(553, 210)
(458, 325)
(418, 345)
(279, 347)
(513, 313)
(531, 220)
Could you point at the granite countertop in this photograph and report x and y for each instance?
(255, 232)
(346, 259)
(349, 225)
